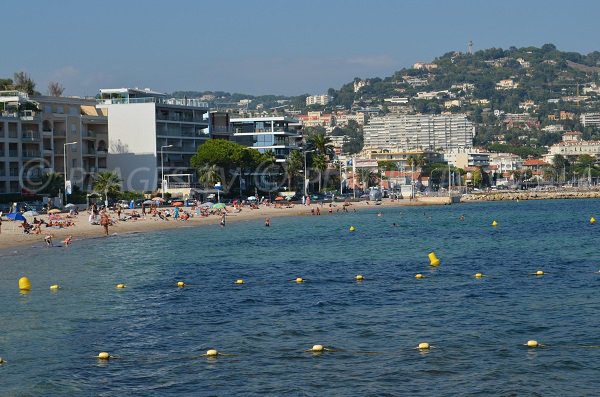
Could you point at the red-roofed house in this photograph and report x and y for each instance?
(535, 166)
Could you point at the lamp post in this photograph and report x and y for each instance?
(162, 171)
(306, 172)
(65, 166)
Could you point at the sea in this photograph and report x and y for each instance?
(158, 334)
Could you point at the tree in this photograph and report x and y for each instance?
(293, 165)
(322, 144)
(108, 183)
(24, 83)
(209, 175)
(55, 89)
(319, 162)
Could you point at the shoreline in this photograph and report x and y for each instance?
(12, 236)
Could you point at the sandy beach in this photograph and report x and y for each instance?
(12, 234)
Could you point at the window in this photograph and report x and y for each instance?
(60, 109)
(74, 163)
(73, 128)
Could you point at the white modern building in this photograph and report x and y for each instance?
(279, 135)
(151, 135)
(422, 131)
(318, 100)
(590, 119)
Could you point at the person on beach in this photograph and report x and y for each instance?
(104, 221)
(48, 240)
(68, 240)
(267, 222)
(0, 222)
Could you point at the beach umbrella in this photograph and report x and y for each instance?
(177, 204)
(207, 205)
(30, 213)
(148, 202)
(279, 198)
(251, 198)
(219, 206)
(158, 199)
(70, 206)
(54, 211)
(15, 216)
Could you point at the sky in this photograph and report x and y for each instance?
(261, 47)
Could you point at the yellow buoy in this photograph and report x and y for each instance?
(494, 223)
(592, 220)
(54, 287)
(478, 275)
(120, 286)
(419, 275)
(24, 284)
(352, 228)
(359, 277)
(539, 273)
(299, 280)
(532, 343)
(239, 281)
(433, 260)
(180, 284)
(103, 356)
(423, 346)
(212, 353)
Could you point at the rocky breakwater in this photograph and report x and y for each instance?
(532, 195)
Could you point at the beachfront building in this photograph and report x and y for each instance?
(151, 135)
(279, 134)
(33, 134)
(421, 131)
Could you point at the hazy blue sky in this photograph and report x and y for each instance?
(267, 46)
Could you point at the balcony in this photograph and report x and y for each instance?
(60, 133)
(13, 153)
(30, 136)
(31, 154)
(88, 135)
(102, 152)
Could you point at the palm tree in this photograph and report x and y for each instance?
(322, 144)
(107, 182)
(209, 175)
(319, 163)
(293, 165)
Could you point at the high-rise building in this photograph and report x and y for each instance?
(151, 135)
(421, 131)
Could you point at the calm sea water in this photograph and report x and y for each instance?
(477, 327)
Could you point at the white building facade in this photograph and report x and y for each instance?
(151, 135)
(422, 131)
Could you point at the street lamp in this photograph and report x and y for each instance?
(305, 172)
(65, 166)
(162, 171)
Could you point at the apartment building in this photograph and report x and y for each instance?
(44, 134)
(279, 135)
(151, 135)
(422, 131)
(318, 100)
(590, 119)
